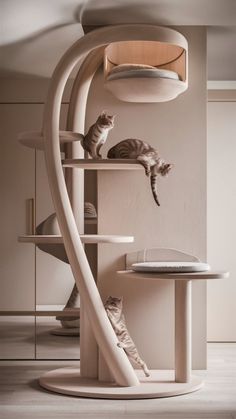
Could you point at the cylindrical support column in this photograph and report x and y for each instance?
(183, 349)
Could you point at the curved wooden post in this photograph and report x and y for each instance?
(75, 181)
(76, 123)
(117, 361)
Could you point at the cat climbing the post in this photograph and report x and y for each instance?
(113, 307)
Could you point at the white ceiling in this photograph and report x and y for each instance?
(35, 33)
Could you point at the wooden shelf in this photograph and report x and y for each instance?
(103, 164)
(129, 274)
(85, 238)
(34, 139)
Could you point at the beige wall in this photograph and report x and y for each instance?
(221, 230)
(125, 206)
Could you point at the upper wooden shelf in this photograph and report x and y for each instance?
(85, 238)
(103, 164)
(174, 276)
(34, 139)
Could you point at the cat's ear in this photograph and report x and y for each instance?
(104, 112)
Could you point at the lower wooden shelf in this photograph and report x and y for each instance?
(160, 384)
(85, 238)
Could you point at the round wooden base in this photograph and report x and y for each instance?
(159, 384)
(64, 331)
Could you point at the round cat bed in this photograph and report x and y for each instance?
(170, 267)
(147, 71)
(145, 86)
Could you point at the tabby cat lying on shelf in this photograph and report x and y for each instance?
(97, 135)
(113, 307)
(146, 155)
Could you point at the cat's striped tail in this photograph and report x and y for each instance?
(153, 181)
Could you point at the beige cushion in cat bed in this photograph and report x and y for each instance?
(140, 70)
(171, 267)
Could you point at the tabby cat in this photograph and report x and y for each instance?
(97, 135)
(113, 307)
(145, 155)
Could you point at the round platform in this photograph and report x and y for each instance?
(159, 384)
(64, 331)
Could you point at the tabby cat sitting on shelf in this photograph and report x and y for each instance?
(113, 307)
(97, 135)
(145, 155)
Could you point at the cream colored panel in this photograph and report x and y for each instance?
(221, 219)
(17, 184)
(54, 278)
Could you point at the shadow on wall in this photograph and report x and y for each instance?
(25, 56)
(119, 12)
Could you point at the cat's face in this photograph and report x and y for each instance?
(114, 304)
(106, 121)
(165, 169)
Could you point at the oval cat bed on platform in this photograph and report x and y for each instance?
(170, 267)
(147, 71)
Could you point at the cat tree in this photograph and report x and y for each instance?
(168, 51)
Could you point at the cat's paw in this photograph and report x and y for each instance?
(96, 157)
(146, 372)
(120, 345)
